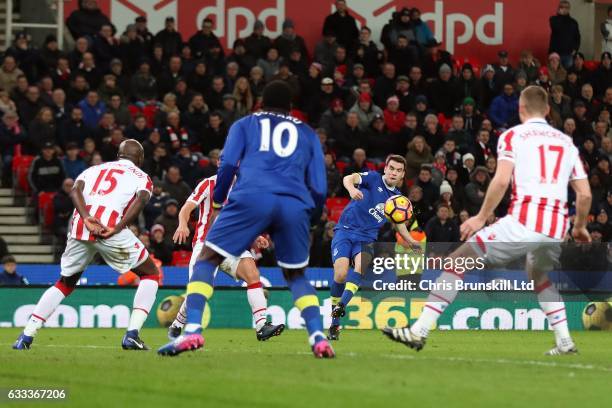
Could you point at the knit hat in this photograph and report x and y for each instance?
(420, 99)
(487, 68)
(445, 188)
(393, 99)
(467, 156)
(554, 55)
(318, 66)
(444, 68)
(543, 71)
(258, 25)
(520, 74)
(288, 23)
(469, 101)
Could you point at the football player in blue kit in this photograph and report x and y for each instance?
(281, 178)
(358, 226)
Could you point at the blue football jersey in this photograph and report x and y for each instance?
(365, 217)
(273, 153)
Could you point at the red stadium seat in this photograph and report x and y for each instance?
(134, 111)
(591, 65)
(45, 208)
(21, 166)
(341, 165)
(335, 207)
(149, 113)
(181, 258)
(204, 162)
(371, 166)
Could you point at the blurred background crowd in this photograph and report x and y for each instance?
(64, 110)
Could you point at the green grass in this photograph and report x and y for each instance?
(456, 369)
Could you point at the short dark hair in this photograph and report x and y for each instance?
(277, 95)
(396, 158)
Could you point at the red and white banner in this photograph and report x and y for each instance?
(476, 29)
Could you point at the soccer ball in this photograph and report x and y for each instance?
(597, 316)
(168, 309)
(398, 209)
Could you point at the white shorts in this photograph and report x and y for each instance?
(507, 240)
(229, 265)
(122, 252)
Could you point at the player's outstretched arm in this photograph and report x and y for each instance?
(76, 195)
(142, 198)
(402, 229)
(495, 193)
(349, 183)
(182, 232)
(583, 206)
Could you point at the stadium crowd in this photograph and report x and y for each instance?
(178, 96)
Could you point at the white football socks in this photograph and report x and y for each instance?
(181, 316)
(553, 306)
(437, 301)
(45, 307)
(143, 302)
(259, 304)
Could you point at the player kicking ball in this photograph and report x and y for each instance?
(107, 198)
(281, 179)
(358, 227)
(540, 161)
(243, 267)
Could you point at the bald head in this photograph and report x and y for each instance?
(132, 150)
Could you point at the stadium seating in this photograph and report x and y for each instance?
(45, 207)
(335, 206)
(341, 165)
(21, 166)
(181, 258)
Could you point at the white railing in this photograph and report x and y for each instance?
(58, 26)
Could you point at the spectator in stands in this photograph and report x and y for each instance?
(504, 108)
(257, 43)
(556, 72)
(582, 122)
(422, 33)
(93, 108)
(46, 172)
(351, 138)
(476, 189)
(109, 88)
(87, 19)
(204, 40)
(75, 57)
(156, 204)
(12, 134)
(560, 106)
(270, 64)
(3, 248)
(109, 148)
(30, 105)
(105, 47)
(379, 140)
(488, 86)
(431, 192)
(504, 73)
(122, 115)
(214, 134)
(61, 109)
(174, 132)
(169, 76)
(398, 25)
(358, 164)
(188, 164)
(543, 79)
(366, 111)
(78, 89)
(334, 178)
(213, 165)
(160, 244)
(419, 153)
(467, 85)
(169, 39)
(385, 85)
(132, 48)
(73, 130)
(469, 164)
(62, 210)
(9, 73)
(342, 24)
(334, 119)
(423, 211)
(602, 77)
(564, 34)
(42, 129)
(214, 96)
(175, 186)
(89, 70)
(9, 275)
(367, 53)
(442, 228)
(73, 164)
(457, 133)
(6, 103)
(289, 40)
(482, 149)
(196, 116)
(143, 85)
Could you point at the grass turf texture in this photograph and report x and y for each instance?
(461, 368)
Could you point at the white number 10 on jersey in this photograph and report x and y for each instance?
(277, 138)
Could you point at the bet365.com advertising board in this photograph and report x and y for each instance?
(90, 307)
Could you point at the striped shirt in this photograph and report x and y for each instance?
(545, 161)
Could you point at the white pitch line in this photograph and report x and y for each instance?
(68, 346)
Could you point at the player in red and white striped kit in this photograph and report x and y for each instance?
(107, 198)
(238, 268)
(540, 161)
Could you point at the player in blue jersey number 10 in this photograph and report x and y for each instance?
(281, 180)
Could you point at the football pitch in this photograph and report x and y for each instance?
(456, 369)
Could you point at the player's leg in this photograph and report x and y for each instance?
(245, 268)
(181, 317)
(539, 263)
(76, 257)
(336, 289)
(235, 229)
(290, 234)
(353, 279)
(142, 304)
